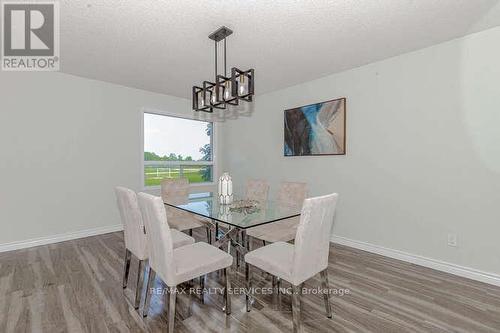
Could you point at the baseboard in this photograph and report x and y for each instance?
(443, 266)
(59, 238)
(439, 265)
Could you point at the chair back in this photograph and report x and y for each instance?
(175, 190)
(159, 238)
(257, 190)
(312, 241)
(133, 225)
(292, 194)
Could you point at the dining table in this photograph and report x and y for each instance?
(231, 221)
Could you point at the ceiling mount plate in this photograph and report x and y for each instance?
(220, 34)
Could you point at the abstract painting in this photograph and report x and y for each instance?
(316, 129)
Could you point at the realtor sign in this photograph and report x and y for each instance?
(30, 38)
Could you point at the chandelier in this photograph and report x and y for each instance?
(225, 89)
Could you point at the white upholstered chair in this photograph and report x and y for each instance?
(177, 191)
(135, 236)
(296, 263)
(257, 190)
(175, 266)
(290, 194)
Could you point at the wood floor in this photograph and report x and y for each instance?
(75, 286)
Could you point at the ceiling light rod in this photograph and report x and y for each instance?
(225, 90)
(217, 36)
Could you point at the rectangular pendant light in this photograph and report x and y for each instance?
(199, 100)
(210, 94)
(226, 90)
(242, 83)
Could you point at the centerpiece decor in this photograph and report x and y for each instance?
(225, 189)
(245, 206)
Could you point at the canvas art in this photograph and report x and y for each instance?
(316, 129)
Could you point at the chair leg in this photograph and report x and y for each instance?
(149, 292)
(227, 287)
(138, 288)
(248, 278)
(237, 252)
(326, 294)
(264, 242)
(172, 293)
(144, 292)
(278, 286)
(126, 267)
(202, 287)
(209, 235)
(297, 322)
(276, 281)
(275, 291)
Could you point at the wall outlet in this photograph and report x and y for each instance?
(452, 240)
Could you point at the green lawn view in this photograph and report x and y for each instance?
(154, 175)
(158, 166)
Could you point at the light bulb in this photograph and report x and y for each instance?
(241, 89)
(201, 99)
(227, 91)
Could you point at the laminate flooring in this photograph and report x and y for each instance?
(75, 286)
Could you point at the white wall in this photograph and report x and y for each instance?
(423, 159)
(65, 143)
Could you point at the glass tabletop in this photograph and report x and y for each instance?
(206, 205)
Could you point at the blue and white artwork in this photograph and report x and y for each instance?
(316, 129)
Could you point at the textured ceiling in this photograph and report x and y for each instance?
(162, 46)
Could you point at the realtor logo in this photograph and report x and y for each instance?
(30, 40)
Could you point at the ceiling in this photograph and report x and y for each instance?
(162, 46)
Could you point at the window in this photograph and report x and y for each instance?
(177, 147)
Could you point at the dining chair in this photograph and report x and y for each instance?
(257, 189)
(291, 194)
(298, 262)
(175, 266)
(135, 237)
(177, 191)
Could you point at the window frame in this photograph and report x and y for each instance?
(214, 140)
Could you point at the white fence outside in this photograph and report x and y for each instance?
(173, 169)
